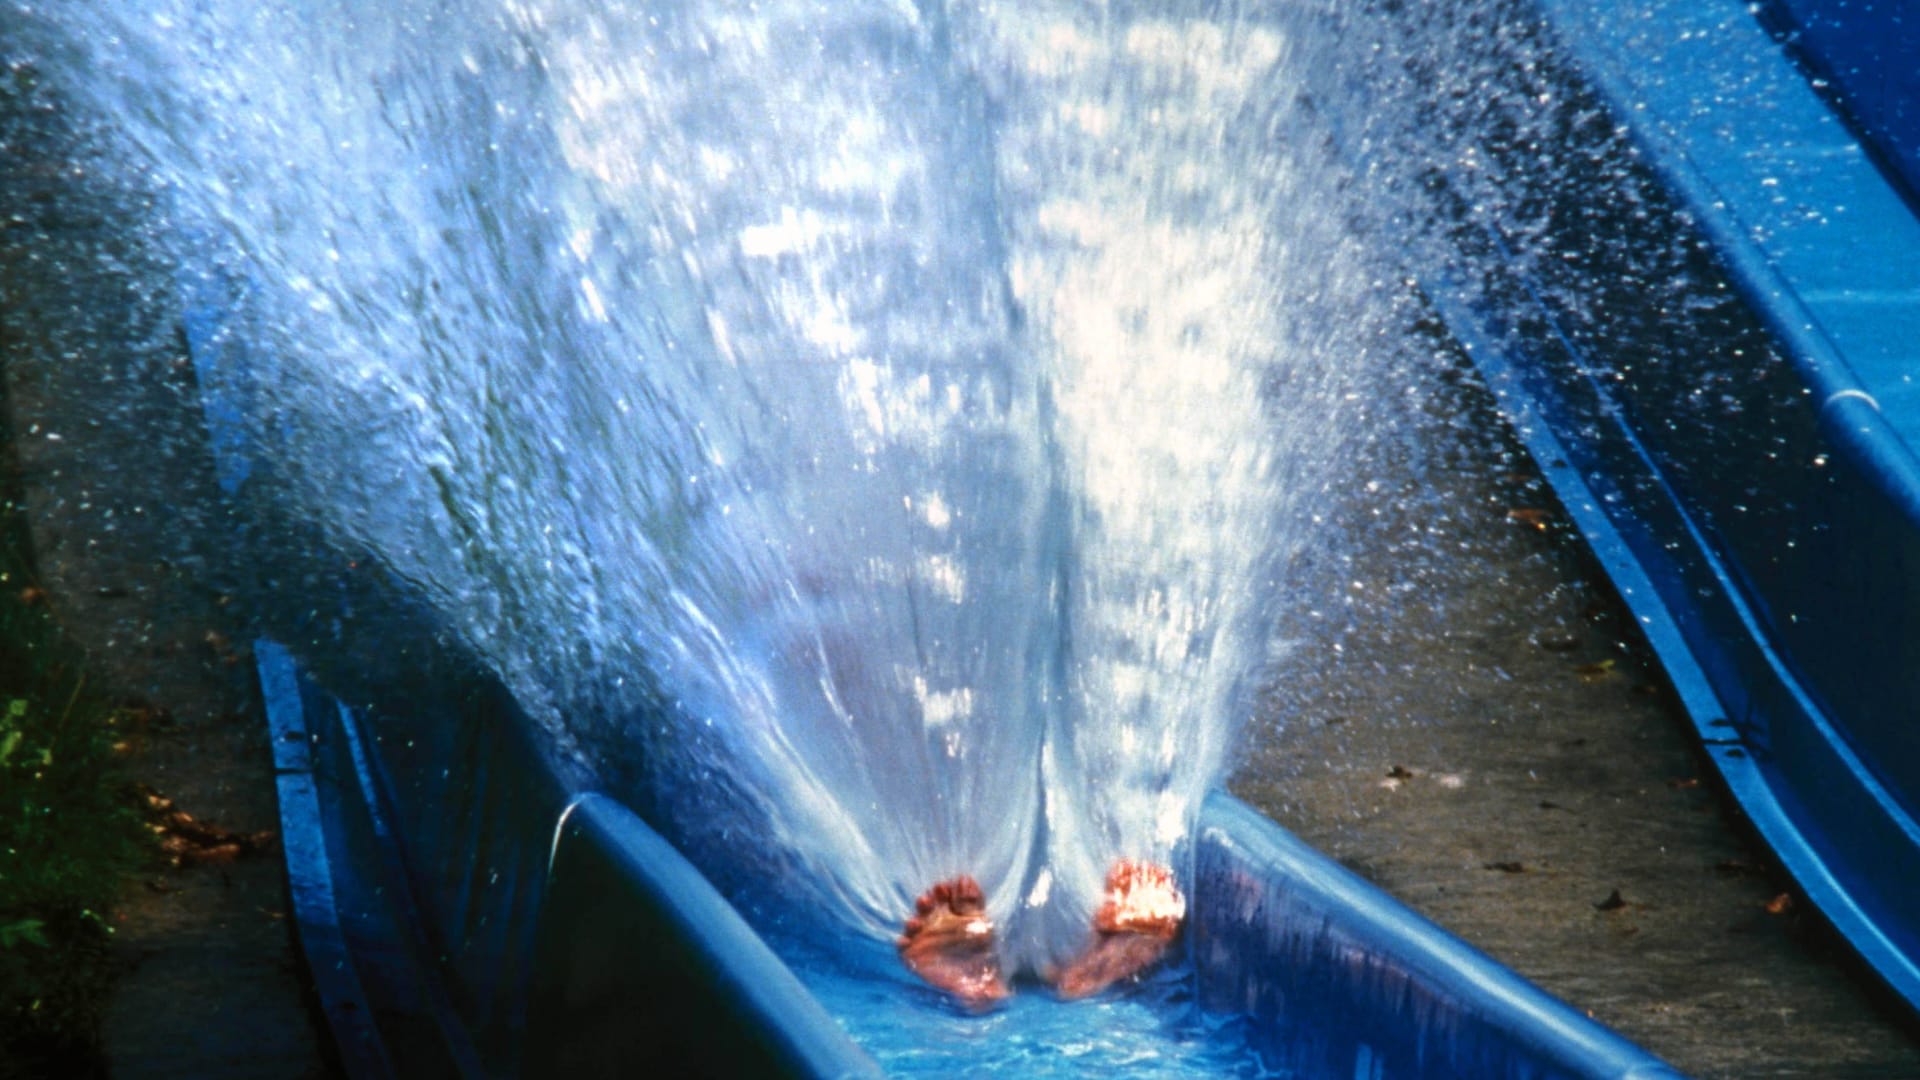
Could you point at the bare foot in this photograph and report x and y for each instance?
(1142, 913)
(950, 943)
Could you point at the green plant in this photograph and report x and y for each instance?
(69, 834)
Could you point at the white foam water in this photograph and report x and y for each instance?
(903, 417)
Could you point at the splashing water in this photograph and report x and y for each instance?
(906, 414)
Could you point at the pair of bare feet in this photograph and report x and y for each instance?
(950, 941)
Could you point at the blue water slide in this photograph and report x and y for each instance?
(1750, 482)
(1865, 58)
(507, 922)
(506, 925)
(470, 903)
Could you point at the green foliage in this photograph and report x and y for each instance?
(22, 930)
(69, 833)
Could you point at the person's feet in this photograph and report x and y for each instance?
(1141, 915)
(950, 943)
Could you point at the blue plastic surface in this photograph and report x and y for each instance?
(626, 953)
(1760, 517)
(641, 961)
(510, 927)
(1867, 56)
(316, 910)
(1341, 980)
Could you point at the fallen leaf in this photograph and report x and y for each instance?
(1779, 905)
(188, 840)
(1599, 669)
(212, 853)
(1527, 515)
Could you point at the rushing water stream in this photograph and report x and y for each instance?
(927, 405)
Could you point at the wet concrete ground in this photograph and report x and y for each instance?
(1497, 748)
(113, 467)
(210, 982)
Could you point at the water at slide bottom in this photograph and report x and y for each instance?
(1151, 1030)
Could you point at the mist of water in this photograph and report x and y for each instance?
(906, 417)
